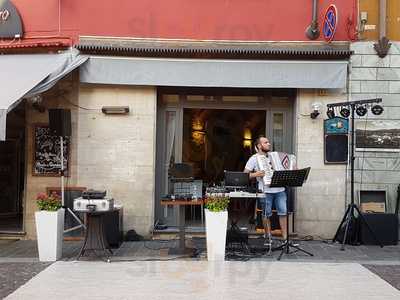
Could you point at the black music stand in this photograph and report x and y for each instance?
(291, 178)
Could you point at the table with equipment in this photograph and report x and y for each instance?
(95, 239)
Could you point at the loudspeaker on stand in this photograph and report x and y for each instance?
(60, 122)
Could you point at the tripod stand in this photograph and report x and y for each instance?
(349, 216)
(288, 178)
(62, 191)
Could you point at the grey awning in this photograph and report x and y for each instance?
(25, 75)
(215, 72)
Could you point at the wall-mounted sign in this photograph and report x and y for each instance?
(337, 125)
(330, 23)
(10, 21)
(336, 140)
(47, 153)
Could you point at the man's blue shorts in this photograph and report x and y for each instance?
(279, 199)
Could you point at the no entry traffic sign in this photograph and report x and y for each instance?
(330, 23)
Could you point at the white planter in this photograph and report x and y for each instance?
(216, 224)
(50, 231)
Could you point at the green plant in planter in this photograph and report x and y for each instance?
(217, 203)
(48, 202)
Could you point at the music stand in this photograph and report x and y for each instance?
(291, 178)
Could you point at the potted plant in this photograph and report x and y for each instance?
(216, 224)
(49, 226)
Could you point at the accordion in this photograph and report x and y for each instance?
(282, 161)
(276, 161)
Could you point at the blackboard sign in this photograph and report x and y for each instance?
(336, 148)
(47, 154)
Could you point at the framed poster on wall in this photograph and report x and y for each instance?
(378, 135)
(47, 152)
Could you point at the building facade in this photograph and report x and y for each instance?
(201, 82)
(375, 74)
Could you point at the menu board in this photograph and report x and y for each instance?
(47, 153)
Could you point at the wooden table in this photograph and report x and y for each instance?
(181, 249)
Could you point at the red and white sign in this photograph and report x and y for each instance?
(330, 23)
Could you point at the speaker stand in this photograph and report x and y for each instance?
(62, 192)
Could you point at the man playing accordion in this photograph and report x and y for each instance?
(261, 166)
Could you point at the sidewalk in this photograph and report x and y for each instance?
(205, 280)
(26, 251)
(144, 269)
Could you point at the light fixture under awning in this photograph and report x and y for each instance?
(26, 75)
(215, 72)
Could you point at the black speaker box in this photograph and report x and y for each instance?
(60, 122)
(384, 226)
(336, 148)
(113, 227)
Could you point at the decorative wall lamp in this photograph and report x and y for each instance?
(247, 138)
(115, 110)
(198, 133)
(37, 103)
(316, 107)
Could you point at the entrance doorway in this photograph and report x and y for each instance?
(213, 130)
(12, 172)
(215, 140)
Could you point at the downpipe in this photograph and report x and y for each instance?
(312, 31)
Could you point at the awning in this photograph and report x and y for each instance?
(183, 48)
(25, 75)
(215, 72)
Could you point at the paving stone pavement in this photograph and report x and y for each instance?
(389, 273)
(205, 280)
(13, 275)
(19, 259)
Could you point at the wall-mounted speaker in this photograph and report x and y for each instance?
(336, 148)
(60, 122)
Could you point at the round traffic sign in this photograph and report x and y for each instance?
(330, 22)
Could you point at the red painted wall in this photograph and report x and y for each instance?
(264, 20)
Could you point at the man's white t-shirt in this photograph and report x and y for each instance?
(252, 166)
